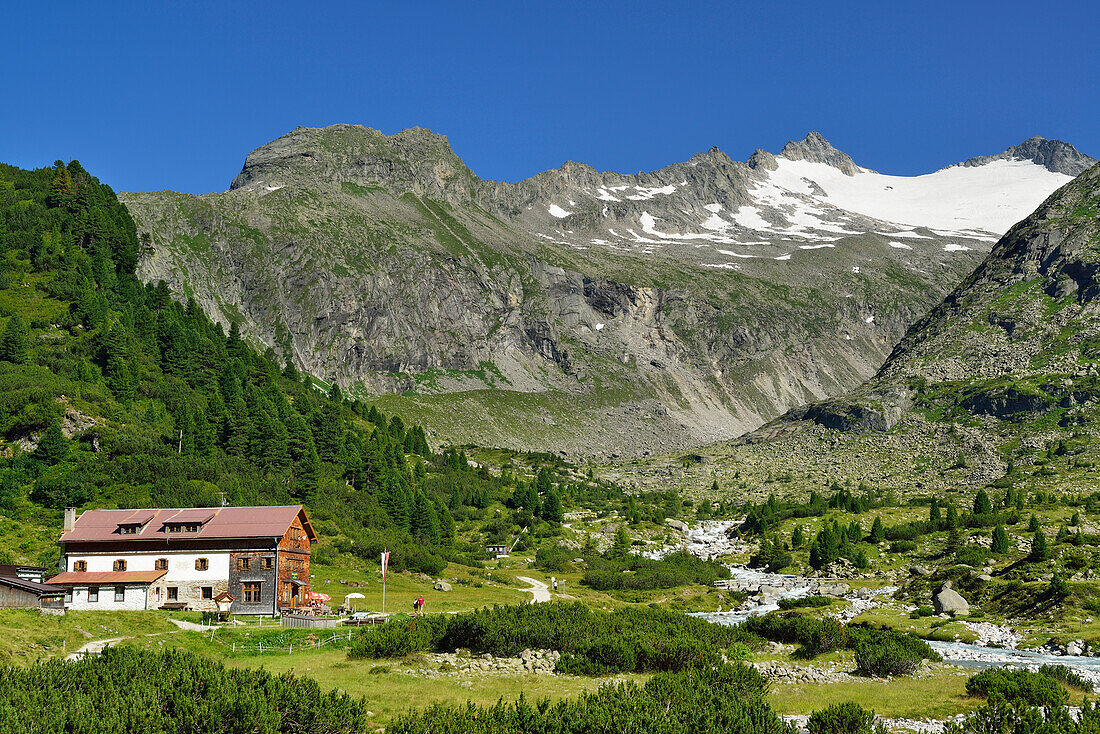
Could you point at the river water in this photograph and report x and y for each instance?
(707, 539)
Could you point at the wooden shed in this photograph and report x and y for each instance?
(17, 593)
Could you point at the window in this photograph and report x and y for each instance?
(244, 564)
(183, 527)
(208, 592)
(128, 529)
(251, 592)
(201, 564)
(161, 564)
(269, 563)
(119, 565)
(120, 593)
(68, 595)
(156, 593)
(93, 593)
(173, 593)
(80, 566)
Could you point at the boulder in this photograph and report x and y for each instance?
(442, 585)
(920, 571)
(676, 525)
(949, 601)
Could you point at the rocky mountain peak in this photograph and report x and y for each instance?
(1052, 256)
(814, 147)
(762, 159)
(1054, 155)
(415, 159)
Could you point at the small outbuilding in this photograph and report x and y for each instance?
(17, 593)
(498, 551)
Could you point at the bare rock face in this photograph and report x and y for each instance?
(1054, 155)
(814, 147)
(949, 601)
(505, 313)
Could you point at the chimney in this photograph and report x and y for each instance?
(70, 518)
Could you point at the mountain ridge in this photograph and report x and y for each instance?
(663, 309)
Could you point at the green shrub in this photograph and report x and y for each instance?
(722, 698)
(972, 555)
(1036, 689)
(1067, 676)
(633, 572)
(806, 601)
(842, 718)
(130, 690)
(394, 639)
(885, 659)
(592, 642)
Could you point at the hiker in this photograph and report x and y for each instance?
(420, 604)
(416, 606)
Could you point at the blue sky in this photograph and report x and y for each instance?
(157, 95)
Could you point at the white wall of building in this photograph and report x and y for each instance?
(181, 565)
(134, 601)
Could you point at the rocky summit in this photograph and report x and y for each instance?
(583, 311)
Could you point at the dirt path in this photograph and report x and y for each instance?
(540, 592)
(190, 626)
(94, 648)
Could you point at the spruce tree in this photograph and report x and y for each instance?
(15, 340)
(878, 532)
(982, 504)
(1039, 551)
(620, 548)
(551, 507)
(446, 526)
(53, 447)
(1000, 542)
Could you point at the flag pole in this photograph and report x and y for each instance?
(385, 563)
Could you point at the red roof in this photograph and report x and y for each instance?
(216, 522)
(70, 578)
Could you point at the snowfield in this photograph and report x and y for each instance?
(989, 198)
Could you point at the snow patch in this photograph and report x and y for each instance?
(557, 211)
(713, 208)
(981, 199)
(716, 223)
(645, 192)
(955, 248)
(900, 246)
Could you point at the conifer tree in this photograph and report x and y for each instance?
(982, 503)
(1000, 542)
(551, 507)
(15, 340)
(53, 447)
(878, 532)
(446, 526)
(1039, 551)
(620, 548)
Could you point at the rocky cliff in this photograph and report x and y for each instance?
(577, 310)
